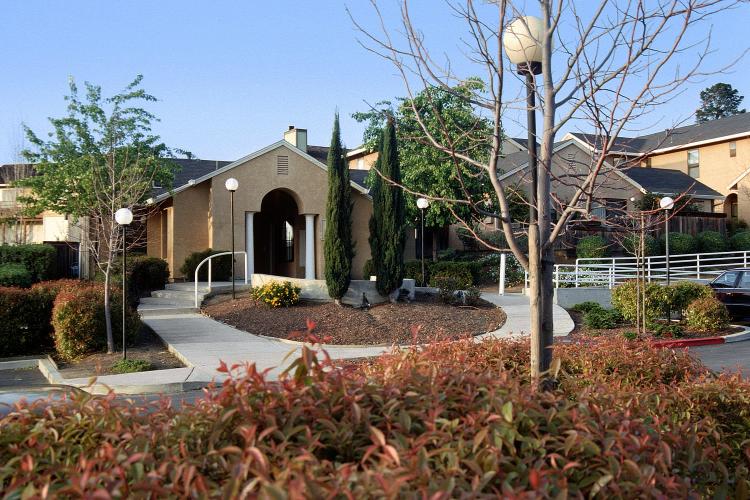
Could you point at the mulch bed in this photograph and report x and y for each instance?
(421, 321)
(582, 332)
(149, 348)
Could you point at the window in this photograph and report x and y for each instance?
(287, 242)
(693, 160)
(727, 280)
(732, 149)
(282, 165)
(598, 211)
(744, 281)
(648, 162)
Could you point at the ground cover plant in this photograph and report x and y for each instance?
(452, 420)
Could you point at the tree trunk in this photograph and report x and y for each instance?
(434, 244)
(108, 311)
(535, 304)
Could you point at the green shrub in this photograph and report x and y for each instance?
(682, 293)
(78, 320)
(447, 287)
(586, 307)
(740, 241)
(131, 366)
(707, 314)
(632, 241)
(277, 293)
(601, 319)
(368, 270)
(591, 247)
(39, 259)
(472, 296)
(221, 266)
(14, 274)
(145, 274)
(666, 330)
(630, 335)
(413, 270)
(458, 419)
(624, 300)
(711, 241)
(460, 271)
(24, 321)
(680, 243)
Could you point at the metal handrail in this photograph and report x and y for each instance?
(208, 259)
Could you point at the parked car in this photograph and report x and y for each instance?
(51, 393)
(733, 289)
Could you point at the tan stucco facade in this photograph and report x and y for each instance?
(718, 169)
(198, 217)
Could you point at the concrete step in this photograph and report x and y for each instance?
(177, 294)
(163, 301)
(150, 310)
(188, 287)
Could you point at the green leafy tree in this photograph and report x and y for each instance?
(719, 101)
(100, 157)
(339, 249)
(387, 229)
(427, 170)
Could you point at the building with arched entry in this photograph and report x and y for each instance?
(279, 210)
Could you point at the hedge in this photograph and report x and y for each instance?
(591, 247)
(145, 274)
(39, 259)
(711, 241)
(740, 241)
(78, 320)
(14, 274)
(651, 244)
(707, 314)
(24, 321)
(659, 298)
(450, 420)
(221, 267)
(680, 243)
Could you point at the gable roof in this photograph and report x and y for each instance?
(190, 169)
(230, 165)
(665, 181)
(680, 137)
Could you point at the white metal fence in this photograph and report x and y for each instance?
(608, 272)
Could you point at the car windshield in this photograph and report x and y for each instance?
(727, 280)
(744, 280)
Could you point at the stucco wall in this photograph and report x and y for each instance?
(189, 224)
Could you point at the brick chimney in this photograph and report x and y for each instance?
(297, 137)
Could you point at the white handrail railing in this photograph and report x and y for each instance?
(208, 259)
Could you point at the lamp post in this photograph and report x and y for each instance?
(666, 204)
(123, 217)
(231, 184)
(422, 203)
(522, 41)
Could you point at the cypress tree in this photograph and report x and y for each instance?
(339, 249)
(387, 235)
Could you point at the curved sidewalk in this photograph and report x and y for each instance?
(202, 343)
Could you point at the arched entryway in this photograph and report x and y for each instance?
(276, 235)
(730, 208)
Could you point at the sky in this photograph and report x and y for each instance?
(231, 76)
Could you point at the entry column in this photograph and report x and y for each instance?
(309, 246)
(250, 243)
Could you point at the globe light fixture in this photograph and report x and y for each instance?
(666, 204)
(422, 203)
(123, 217)
(232, 184)
(522, 41)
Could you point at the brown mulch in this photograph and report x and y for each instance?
(421, 321)
(582, 332)
(149, 348)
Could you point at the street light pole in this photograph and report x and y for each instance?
(231, 184)
(666, 204)
(422, 203)
(124, 217)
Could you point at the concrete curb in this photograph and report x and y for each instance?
(677, 343)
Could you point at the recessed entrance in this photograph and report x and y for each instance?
(277, 235)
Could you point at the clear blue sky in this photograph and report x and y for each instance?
(232, 75)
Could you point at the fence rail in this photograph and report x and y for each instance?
(608, 272)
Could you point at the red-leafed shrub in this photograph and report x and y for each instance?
(452, 420)
(79, 322)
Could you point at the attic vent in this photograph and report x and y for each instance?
(571, 160)
(282, 165)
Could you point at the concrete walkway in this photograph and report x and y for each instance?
(202, 343)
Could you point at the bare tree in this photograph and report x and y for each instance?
(606, 65)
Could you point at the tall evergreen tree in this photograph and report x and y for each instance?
(718, 101)
(339, 249)
(387, 235)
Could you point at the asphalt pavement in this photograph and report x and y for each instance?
(725, 357)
